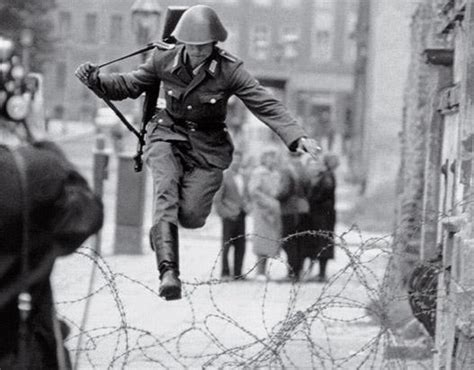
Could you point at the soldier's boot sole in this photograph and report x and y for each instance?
(170, 287)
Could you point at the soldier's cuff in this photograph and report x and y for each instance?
(294, 145)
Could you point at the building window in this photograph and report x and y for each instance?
(290, 3)
(350, 48)
(91, 28)
(323, 31)
(289, 39)
(64, 25)
(260, 42)
(61, 71)
(263, 3)
(116, 28)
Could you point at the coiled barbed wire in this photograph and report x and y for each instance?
(304, 329)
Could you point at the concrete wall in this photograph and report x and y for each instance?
(388, 59)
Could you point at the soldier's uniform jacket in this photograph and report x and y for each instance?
(202, 100)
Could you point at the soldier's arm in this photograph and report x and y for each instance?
(266, 107)
(119, 86)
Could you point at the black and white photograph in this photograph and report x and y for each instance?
(236, 184)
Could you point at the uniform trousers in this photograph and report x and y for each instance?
(183, 190)
(233, 229)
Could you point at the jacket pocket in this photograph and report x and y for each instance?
(213, 104)
(173, 97)
(211, 98)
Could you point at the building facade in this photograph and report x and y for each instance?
(302, 49)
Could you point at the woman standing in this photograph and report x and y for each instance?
(263, 189)
(322, 215)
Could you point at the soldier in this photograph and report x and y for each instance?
(188, 145)
(46, 210)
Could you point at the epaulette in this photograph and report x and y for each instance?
(225, 54)
(164, 46)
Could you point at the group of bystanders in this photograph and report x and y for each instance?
(291, 201)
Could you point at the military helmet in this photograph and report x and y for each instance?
(199, 25)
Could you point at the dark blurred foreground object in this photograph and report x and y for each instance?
(55, 214)
(47, 210)
(422, 293)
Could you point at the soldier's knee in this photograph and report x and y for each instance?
(191, 219)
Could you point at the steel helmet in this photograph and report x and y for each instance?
(199, 25)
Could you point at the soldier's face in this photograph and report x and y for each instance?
(198, 53)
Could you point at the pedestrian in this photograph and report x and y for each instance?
(322, 213)
(231, 204)
(263, 190)
(294, 208)
(188, 144)
(47, 210)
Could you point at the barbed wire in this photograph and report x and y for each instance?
(307, 332)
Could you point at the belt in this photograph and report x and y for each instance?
(199, 125)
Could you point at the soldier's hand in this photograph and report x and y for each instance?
(88, 74)
(309, 146)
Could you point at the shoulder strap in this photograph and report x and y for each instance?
(225, 54)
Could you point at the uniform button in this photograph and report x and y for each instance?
(189, 107)
(170, 92)
(213, 101)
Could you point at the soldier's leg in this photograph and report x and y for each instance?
(166, 171)
(198, 188)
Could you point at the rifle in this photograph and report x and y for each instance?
(173, 15)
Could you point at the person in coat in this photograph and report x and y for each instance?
(266, 213)
(188, 144)
(60, 214)
(322, 212)
(294, 210)
(231, 204)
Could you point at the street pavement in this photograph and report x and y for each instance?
(218, 323)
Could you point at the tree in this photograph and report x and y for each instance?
(17, 15)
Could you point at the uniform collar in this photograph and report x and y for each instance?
(209, 65)
(178, 60)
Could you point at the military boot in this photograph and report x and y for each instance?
(164, 241)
